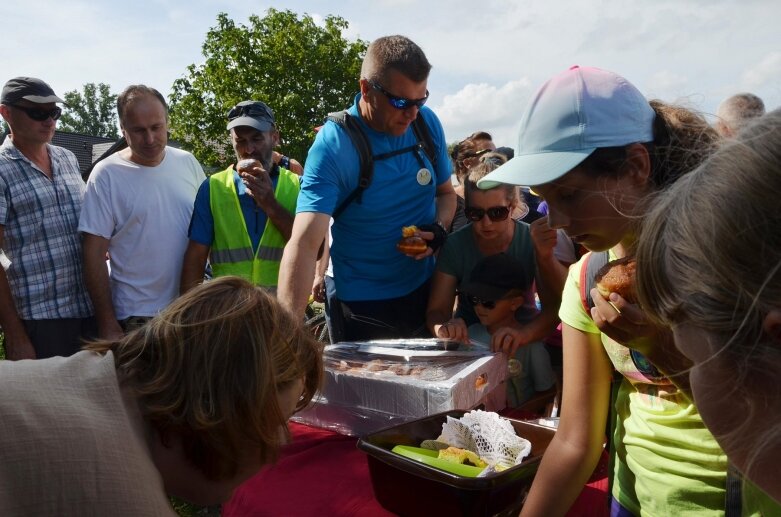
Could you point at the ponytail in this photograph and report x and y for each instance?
(683, 139)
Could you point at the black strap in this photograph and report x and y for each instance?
(733, 506)
(367, 159)
(425, 141)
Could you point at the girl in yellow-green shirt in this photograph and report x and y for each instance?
(596, 150)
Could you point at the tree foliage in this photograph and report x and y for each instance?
(92, 112)
(300, 69)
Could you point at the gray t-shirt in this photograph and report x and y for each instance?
(70, 445)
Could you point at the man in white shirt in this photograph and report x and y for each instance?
(137, 208)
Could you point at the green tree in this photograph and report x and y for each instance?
(91, 113)
(301, 70)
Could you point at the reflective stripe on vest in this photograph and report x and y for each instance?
(231, 252)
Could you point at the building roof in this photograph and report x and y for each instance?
(84, 147)
(80, 145)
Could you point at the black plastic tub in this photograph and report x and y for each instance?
(409, 488)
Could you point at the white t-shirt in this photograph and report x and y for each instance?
(145, 213)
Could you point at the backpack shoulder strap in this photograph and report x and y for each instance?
(423, 135)
(363, 148)
(588, 276)
(592, 263)
(733, 506)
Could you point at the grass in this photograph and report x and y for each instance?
(182, 508)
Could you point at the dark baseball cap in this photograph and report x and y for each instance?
(28, 88)
(496, 275)
(255, 114)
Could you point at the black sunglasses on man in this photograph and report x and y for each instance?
(39, 114)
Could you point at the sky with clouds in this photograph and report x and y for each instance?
(488, 56)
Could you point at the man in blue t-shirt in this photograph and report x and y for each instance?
(382, 291)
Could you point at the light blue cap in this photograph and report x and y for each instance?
(568, 118)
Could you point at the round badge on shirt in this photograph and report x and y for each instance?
(424, 176)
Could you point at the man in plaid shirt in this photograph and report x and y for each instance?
(44, 307)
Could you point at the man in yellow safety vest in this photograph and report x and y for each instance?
(243, 215)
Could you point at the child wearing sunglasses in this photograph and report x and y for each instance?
(496, 290)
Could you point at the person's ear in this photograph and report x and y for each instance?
(638, 164)
(516, 302)
(365, 87)
(771, 324)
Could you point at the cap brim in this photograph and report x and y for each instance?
(528, 170)
(41, 99)
(250, 122)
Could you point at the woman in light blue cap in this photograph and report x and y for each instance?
(597, 151)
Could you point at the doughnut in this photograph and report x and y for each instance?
(247, 164)
(618, 276)
(410, 244)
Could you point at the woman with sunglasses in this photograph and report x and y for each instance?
(598, 152)
(491, 231)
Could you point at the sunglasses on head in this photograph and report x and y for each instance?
(495, 213)
(251, 110)
(475, 154)
(400, 103)
(40, 114)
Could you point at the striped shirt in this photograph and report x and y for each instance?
(40, 219)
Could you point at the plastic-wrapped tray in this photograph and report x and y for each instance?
(409, 378)
(407, 487)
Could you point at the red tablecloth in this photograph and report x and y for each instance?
(322, 473)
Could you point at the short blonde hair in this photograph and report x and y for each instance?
(209, 367)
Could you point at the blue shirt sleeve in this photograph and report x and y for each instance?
(201, 223)
(324, 184)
